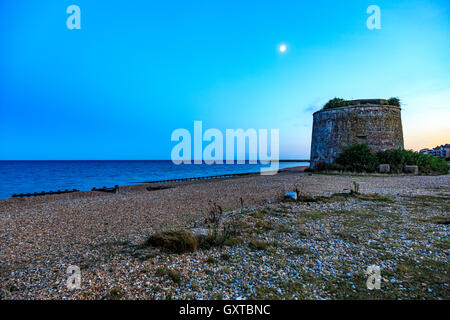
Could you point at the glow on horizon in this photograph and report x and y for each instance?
(426, 121)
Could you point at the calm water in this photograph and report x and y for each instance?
(37, 176)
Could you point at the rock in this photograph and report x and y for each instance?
(411, 169)
(200, 232)
(384, 168)
(291, 195)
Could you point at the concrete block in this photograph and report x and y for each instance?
(384, 168)
(411, 169)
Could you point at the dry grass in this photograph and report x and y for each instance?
(174, 241)
(257, 244)
(343, 196)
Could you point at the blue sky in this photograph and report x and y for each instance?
(137, 70)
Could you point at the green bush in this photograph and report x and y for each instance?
(394, 101)
(335, 103)
(397, 159)
(358, 158)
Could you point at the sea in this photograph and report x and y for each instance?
(37, 176)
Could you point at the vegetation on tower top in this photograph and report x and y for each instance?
(339, 102)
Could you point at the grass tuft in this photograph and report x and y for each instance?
(174, 241)
(115, 294)
(257, 244)
(175, 276)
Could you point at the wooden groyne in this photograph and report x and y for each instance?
(230, 175)
(43, 193)
(115, 189)
(202, 178)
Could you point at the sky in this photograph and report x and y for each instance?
(138, 70)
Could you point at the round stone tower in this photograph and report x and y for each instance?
(371, 121)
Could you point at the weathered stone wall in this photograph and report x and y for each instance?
(379, 126)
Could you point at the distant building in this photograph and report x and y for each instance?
(426, 151)
(445, 153)
(442, 151)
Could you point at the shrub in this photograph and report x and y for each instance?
(211, 260)
(358, 158)
(175, 276)
(397, 159)
(226, 256)
(161, 271)
(115, 294)
(174, 241)
(355, 190)
(221, 232)
(394, 101)
(335, 103)
(257, 244)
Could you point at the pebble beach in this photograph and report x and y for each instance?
(318, 247)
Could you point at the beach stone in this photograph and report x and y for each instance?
(411, 169)
(291, 195)
(384, 168)
(200, 232)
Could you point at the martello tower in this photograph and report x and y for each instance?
(370, 121)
